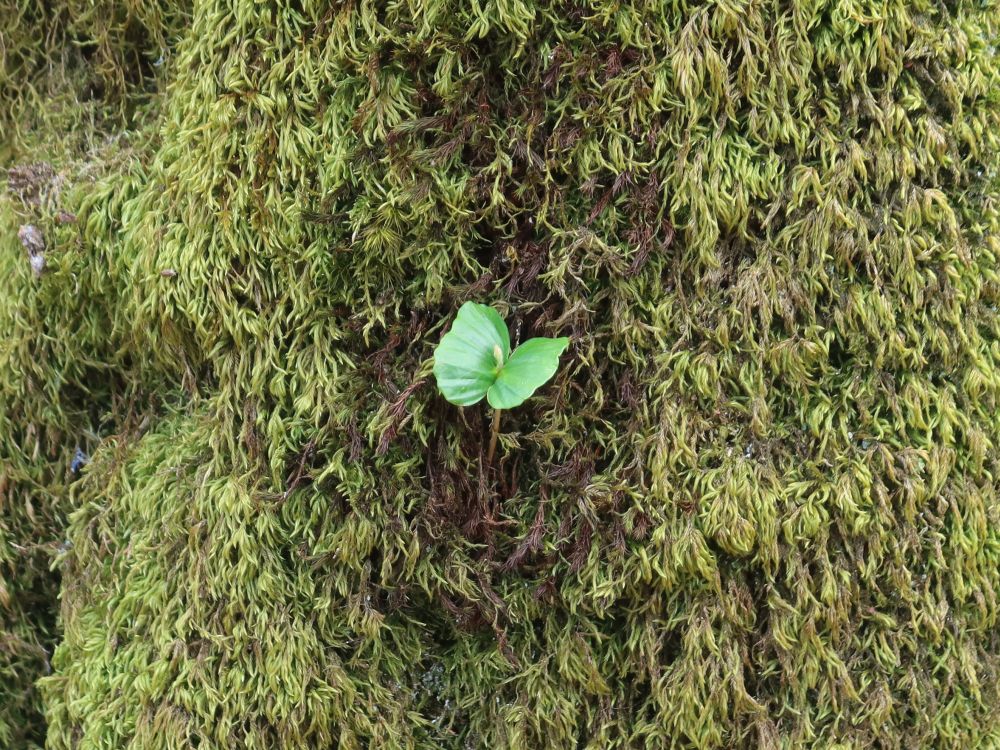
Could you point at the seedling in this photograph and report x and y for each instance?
(474, 360)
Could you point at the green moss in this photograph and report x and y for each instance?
(64, 381)
(757, 506)
(39, 364)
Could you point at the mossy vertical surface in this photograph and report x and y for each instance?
(73, 93)
(757, 507)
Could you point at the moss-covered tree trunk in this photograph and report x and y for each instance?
(759, 505)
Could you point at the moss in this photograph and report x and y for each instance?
(39, 363)
(64, 381)
(758, 507)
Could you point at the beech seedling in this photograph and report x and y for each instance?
(474, 360)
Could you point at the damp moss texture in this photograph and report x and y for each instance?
(757, 507)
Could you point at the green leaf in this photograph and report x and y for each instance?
(529, 367)
(470, 355)
(474, 360)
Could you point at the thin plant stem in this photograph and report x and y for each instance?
(493, 437)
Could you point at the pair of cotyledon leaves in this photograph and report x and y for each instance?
(474, 360)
